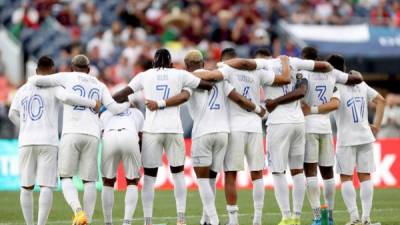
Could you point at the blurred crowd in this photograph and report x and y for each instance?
(125, 47)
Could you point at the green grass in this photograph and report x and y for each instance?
(386, 208)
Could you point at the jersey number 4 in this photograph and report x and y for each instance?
(94, 93)
(357, 106)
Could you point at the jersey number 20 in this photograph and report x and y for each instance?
(94, 93)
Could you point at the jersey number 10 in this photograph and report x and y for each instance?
(33, 107)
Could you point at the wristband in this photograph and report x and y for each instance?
(314, 110)
(257, 109)
(161, 104)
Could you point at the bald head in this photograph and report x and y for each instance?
(80, 63)
(194, 60)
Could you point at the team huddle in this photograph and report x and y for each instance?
(227, 129)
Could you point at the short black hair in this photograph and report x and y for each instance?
(263, 52)
(337, 61)
(228, 53)
(162, 59)
(309, 53)
(45, 63)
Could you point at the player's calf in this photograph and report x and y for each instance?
(180, 192)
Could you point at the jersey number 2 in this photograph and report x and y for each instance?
(214, 95)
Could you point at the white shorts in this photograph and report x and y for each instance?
(78, 152)
(153, 145)
(209, 150)
(319, 149)
(38, 165)
(350, 157)
(285, 145)
(120, 146)
(241, 144)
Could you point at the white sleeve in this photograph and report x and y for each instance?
(13, 115)
(189, 80)
(139, 118)
(56, 79)
(109, 102)
(14, 112)
(189, 90)
(267, 77)
(228, 88)
(73, 99)
(340, 76)
(136, 83)
(371, 93)
(226, 71)
(262, 63)
(301, 64)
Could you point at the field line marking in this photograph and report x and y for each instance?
(198, 216)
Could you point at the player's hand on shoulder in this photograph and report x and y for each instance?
(284, 58)
(374, 129)
(151, 105)
(262, 112)
(270, 105)
(306, 108)
(98, 106)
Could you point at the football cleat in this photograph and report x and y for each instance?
(80, 218)
(295, 221)
(355, 222)
(286, 222)
(316, 222)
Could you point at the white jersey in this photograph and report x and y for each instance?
(209, 109)
(37, 112)
(290, 112)
(321, 88)
(247, 83)
(131, 119)
(352, 116)
(79, 119)
(158, 84)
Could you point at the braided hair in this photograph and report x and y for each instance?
(162, 59)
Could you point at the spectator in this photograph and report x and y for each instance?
(90, 17)
(380, 14)
(303, 14)
(222, 31)
(391, 118)
(114, 35)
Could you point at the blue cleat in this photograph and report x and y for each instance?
(331, 221)
(316, 222)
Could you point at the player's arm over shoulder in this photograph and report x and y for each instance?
(71, 98)
(134, 85)
(57, 79)
(190, 80)
(108, 101)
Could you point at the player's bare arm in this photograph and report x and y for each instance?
(323, 67)
(53, 80)
(209, 75)
(298, 93)
(205, 85)
(242, 64)
(284, 78)
(169, 102)
(328, 107)
(355, 77)
(380, 102)
(122, 95)
(245, 103)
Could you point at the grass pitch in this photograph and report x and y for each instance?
(386, 208)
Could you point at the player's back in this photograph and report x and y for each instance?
(131, 119)
(38, 108)
(352, 115)
(289, 112)
(209, 109)
(160, 84)
(80, 119)
(248, 84)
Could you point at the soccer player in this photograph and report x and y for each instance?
(121, 134)
(355, 138)
(285, 129)
(245, 139)
(209, 111)
(35, 111)
(321, 99)
(162, 128)
(80, 136)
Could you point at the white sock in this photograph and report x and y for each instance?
(148, 197)
(281, 190)
(131, 198)
(208, 200)
(213, 186)
(298, 192)
(89, 199)
(107, 201)
(313, 194)
(366, 195)
(45, 203)
(180, 192)
(329, 194)
(70, 194)
(233, 214)
(26, 200)
(349, 198)
(258, 199)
